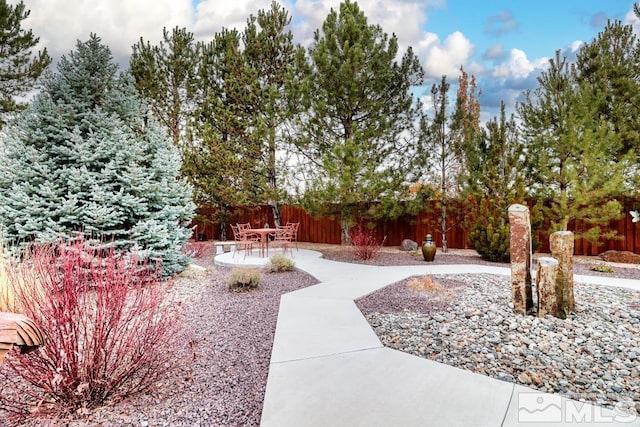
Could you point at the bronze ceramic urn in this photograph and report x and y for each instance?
(428, 248)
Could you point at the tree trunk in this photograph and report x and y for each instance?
(345, 232)
(443, 188)
(273, 180)
(275, 211)
(444, 225)
(223, 231)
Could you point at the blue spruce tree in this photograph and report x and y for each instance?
(87, 156)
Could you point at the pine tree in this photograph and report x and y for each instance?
(494, 181)
(86, 156)
(164, 75)
(19, 71)
(571, 152)
(269, 51)
(358, 132)
(222, 155)
(447, 136)
(466, 120)
(609, 66)
(444, 141)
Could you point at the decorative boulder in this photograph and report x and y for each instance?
(625, 257)
(408, 245)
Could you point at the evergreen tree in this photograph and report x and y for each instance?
(571, 152)
(223, 155)
(19, 71)
(444, 141)
(494, 181)
(164, 75)
(609, 66)
(86, 156)
(226, 104)
(269, 51)
(449, 133)
(466, 120)
(494, 163)
(359, 132)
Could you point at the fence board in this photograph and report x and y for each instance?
(326, 229)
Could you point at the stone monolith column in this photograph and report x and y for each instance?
(520, 226)
(546, 279)
(561, 244)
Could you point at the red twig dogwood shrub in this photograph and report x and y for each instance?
(364, 242)
(197, 250)
(110, 331)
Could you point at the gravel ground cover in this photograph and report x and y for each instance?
(229, 338)
(468, 321)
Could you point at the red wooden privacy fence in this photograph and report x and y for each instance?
(326, 229)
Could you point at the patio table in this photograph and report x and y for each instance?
(264, 233)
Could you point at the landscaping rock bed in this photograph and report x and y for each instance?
(468, 321)
(228, 338)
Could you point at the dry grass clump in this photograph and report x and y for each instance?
(6, 294)
(244, 279)
(426, 284)
(601, 268)
(194, 271)
(280, 264)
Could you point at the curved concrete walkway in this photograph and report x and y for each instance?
(328, 368)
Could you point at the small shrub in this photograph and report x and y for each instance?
(193, 271)
(364, 242)
(487, 223)
(110, 331)
(602, 268)
(244, 279)
(280, 263)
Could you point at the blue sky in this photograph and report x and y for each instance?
(537, 27)
(505, 44)
(515, 39)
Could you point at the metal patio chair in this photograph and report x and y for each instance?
(243, 239)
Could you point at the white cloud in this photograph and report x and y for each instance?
(212, 15)
(402, 18)
(444, 58)
(631, 19)
(119, 23)
(517, 65)
(309, 16)
(502, 23)
(575, 46)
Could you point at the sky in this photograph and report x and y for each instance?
(505, 44)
